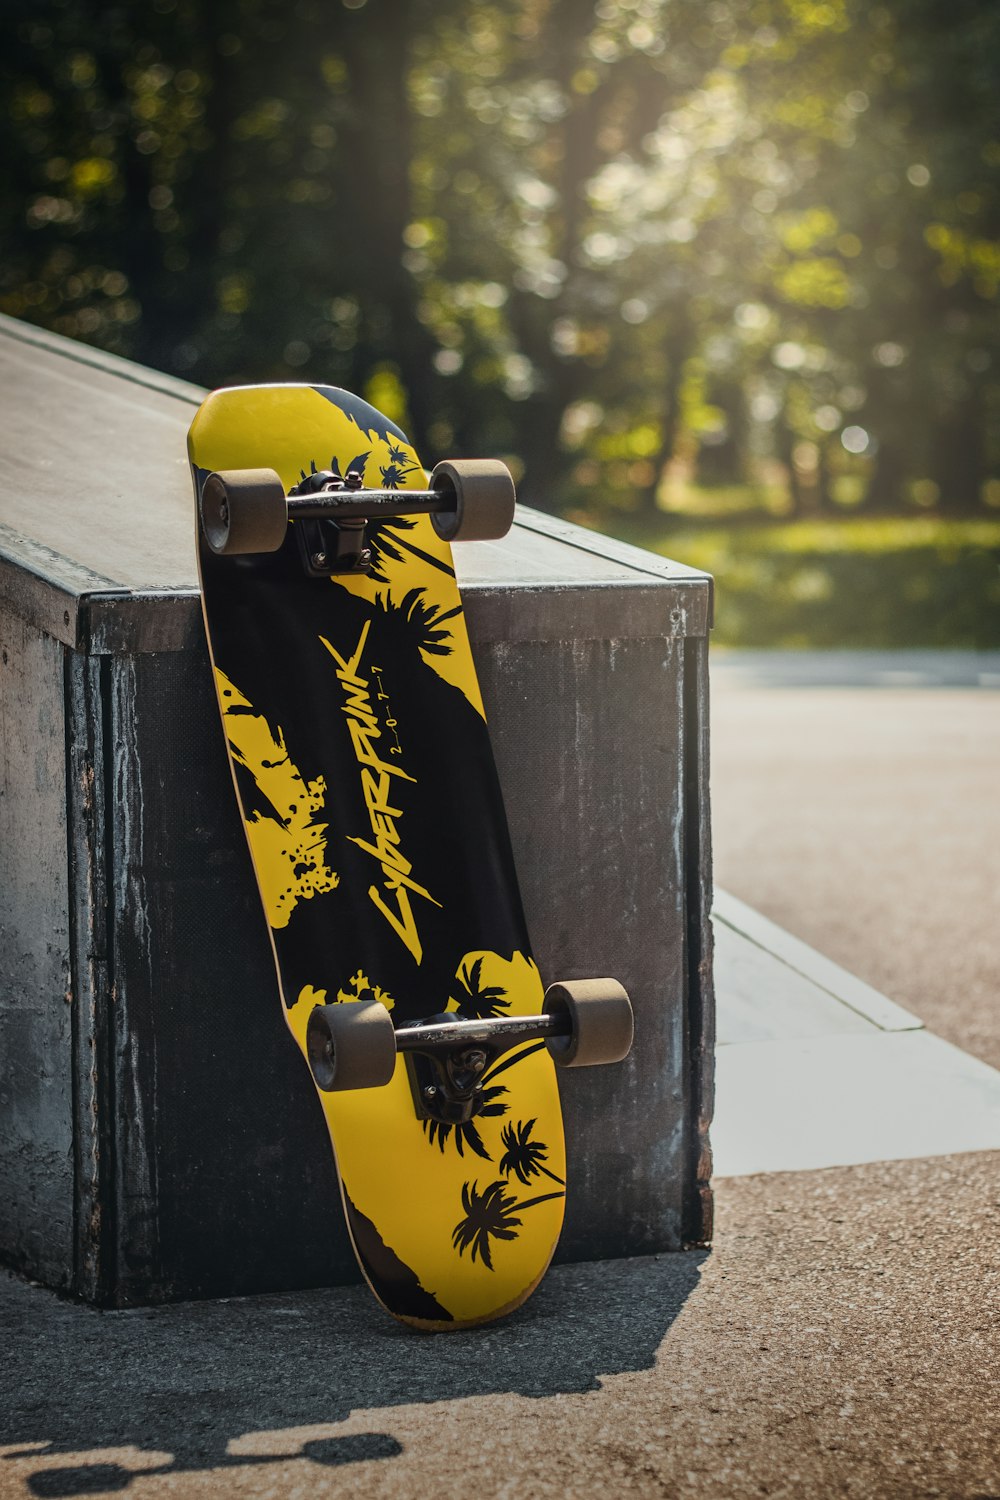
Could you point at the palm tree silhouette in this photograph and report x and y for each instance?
(423, 621)
(490, 1215)
(358, 465)
(523, 1156)
(398, 467)
(511, 1059)
(467, 1134)
(426, 621)
(322, 476)
(479, 1002)
(386, 545)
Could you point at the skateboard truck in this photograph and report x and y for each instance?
(246, 511)
(329, 543)
(330, 529)
(355, 1045)
(447, 1057)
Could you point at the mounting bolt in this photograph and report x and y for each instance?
(318, 559)
(366, 555)
(430, 1092)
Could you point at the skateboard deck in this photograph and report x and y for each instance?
(369, 796)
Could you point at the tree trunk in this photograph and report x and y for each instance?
(824, 500)
(678, 349)
(546, 463)
(725, 462)
(785, 445)
(379, 144)
(885, 490)
(959, 458)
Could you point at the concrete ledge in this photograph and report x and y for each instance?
(816, 1069)
(820, 972)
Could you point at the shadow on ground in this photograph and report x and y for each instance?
(184, 1381)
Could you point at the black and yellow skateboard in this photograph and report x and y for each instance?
(367, 787)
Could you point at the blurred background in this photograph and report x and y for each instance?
(716, 276)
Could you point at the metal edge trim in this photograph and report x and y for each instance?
(613, 550)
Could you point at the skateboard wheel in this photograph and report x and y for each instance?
(243, 510)
(351, 1046)
(600, 1014)
(481, 492)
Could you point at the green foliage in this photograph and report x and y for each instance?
(593, 237)
(866, 583)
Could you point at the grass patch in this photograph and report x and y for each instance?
(883, 583)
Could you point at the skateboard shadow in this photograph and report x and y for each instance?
(181, 1384)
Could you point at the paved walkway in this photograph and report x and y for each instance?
(867, 822)
(856, 669)
(815, 1068)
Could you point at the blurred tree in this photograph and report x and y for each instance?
(882, 292)
(591, 235)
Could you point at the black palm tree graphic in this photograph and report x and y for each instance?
(523, 1156)
(467, 1134)
(398, 467)
(357, 464)
(510, 1060)
(383, 540)
(390, 546)
(422, 620)
(478, 1002)
(490, 1215)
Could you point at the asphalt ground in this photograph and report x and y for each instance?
(860, 809)
(841, 1338)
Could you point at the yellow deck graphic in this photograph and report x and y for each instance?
(356, 732)
(289, 845)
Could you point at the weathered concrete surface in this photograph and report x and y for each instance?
(868, 822)
(841, 1339)
(36, 1098)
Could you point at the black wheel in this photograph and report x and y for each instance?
(600, 1014)
(481, 495)
(244, 510)
(351, 1046)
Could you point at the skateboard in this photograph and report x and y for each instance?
(367, 788)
